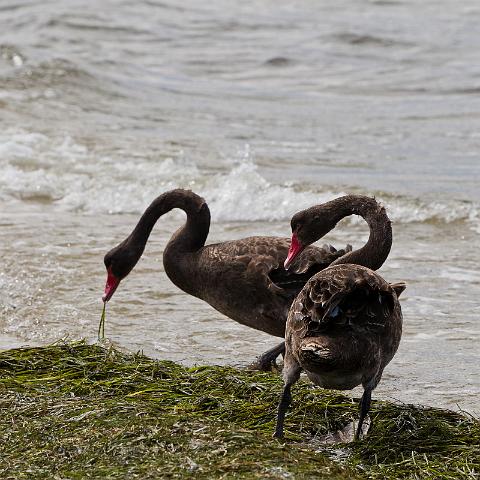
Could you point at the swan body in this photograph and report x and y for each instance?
(345, 325)
(239, 278)
(243, 279)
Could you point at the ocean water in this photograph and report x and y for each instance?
(264, 108)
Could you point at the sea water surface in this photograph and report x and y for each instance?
(264, 108)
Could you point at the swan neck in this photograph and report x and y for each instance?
(374, 253)
(188, 238)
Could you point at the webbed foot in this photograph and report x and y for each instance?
(267, 361)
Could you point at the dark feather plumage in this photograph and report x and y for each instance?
(345, 325)
(341, 306)
(342, 329)
(243, 279)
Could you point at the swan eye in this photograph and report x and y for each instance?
(297, 228)
(107, 260)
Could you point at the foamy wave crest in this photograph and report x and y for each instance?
(31, 166)
(406, 210)
(244, 195)
(69, 176)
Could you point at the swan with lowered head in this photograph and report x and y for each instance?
(243, 279)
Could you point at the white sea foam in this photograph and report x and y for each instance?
(243, 194)
(35, 167)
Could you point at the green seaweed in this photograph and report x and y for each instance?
(87, 411)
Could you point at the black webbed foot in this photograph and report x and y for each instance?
(267, 361)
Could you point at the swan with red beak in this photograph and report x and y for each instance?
(110, 286)
(242, 279)
(308, 226)
(119, 262)
(295, 249)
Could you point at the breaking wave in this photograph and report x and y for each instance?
(69, 176)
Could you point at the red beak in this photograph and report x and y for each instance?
(295, 248)
(110, 286)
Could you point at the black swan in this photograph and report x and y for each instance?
(243, 279)
(345, 325)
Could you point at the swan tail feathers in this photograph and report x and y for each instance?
(398, 287)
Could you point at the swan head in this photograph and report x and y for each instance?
(119, 262)
(308, 226)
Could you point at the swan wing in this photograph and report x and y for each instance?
(261, 260)
(343, 297)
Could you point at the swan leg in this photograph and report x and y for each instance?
(283, 405)
(266, 361)
(291, 374)
(364, 409)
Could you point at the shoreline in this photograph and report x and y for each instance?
(10, 342)
(72, 407)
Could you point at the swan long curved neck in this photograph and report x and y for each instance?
(188, 238)
(374, 253)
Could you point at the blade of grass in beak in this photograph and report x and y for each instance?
(101, 326)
